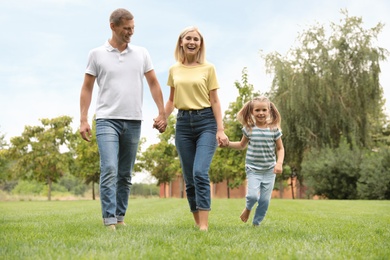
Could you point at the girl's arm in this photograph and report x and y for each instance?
(241, 145)
(279, 155)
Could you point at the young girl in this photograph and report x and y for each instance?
(261, 132)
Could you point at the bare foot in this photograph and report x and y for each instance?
(245, 215)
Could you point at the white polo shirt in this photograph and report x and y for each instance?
(119, 76)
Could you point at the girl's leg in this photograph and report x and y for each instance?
(245, 215)
(252, 194)
(266, 188)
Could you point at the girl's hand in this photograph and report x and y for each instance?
(223, 140)
(278, 168)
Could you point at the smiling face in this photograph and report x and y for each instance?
(191, 43)
(260, 112)
(122, 33)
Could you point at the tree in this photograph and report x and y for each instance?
(328, 88)
(6, 182)
(161, 159)
(37, 152)
(229, 164)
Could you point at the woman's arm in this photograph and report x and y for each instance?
(169, 107)
(216, 106)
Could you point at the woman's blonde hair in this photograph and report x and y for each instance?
(245, 115)
(179, 52)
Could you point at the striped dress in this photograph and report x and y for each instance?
(261, 154)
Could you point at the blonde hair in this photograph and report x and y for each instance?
(245, 115)
(179, 52)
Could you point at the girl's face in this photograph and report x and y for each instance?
(260, 112)
(191, 43)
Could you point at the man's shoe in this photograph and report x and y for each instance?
(111, 227)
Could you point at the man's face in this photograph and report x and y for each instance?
(124, 31)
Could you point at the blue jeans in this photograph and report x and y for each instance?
(196, 144)
(118, 144)
(260, 186)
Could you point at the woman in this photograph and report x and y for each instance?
(199, 126)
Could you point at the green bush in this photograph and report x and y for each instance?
(332, 173)
(143, 189)
(374, 181)
(28, 188)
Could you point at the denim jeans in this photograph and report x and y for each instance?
(260, 186)
(196, 144)
(118, 143)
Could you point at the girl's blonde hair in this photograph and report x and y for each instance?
(245, 115)
(179, 52)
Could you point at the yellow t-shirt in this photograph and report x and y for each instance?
(192, 85)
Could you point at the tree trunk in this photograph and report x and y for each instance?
(292, 187)
(227, 187)
(93, 191)
(281, 188)
(49, 182)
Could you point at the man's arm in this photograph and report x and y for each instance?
(155, 90)
(85, 102)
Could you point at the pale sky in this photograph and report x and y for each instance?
(45, 43)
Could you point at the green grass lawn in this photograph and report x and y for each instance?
(164, 229)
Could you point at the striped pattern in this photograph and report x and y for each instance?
(261, 148)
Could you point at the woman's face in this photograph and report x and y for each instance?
(191, 43)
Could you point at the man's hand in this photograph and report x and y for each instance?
(160, 123)
(85, 131)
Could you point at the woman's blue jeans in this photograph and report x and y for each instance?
(196, 144)
(260, 186)
(118, 144)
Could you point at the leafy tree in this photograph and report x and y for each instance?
(5, 163)
(328, 87)
(229, 164)
(161, 159)
(37, 152)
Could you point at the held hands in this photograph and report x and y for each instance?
(223, 140)
(160, 123)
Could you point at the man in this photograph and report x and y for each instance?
(118, 68)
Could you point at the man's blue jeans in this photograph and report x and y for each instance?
(196, 144)
(260, 187)
(118, 144)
